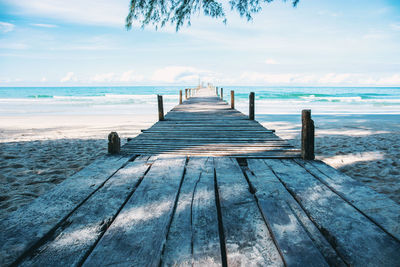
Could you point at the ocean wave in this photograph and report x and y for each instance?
(40, 96)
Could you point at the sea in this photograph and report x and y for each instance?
(125, 100)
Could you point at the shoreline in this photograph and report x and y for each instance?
(40, 151)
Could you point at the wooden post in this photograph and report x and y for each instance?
(251, 106)
(114, 143)
(180, 96)
(232, 99)
(186, 92)
(216, 90)
(160, 108)
(307, 135)
(222, 93)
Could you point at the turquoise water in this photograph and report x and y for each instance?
(141, 99)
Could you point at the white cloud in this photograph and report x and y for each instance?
(270, 61)
(92, 43)
(181, 74)
(13, 46)
(131, 76)
(395, 26)
(44, 79)
(389, 80)
(43, 25)
(102, 12)
(104, 77)
(6, 27)
(69, 77)
(127, 76)
(336, 79)
(258, 77)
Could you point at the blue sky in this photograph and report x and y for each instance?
(85, 43)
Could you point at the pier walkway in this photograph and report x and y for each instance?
(205, 125)
(205, 187)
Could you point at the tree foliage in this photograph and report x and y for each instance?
(178, 12)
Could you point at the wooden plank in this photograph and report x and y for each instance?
(215, 153)
(379, 208)
(193, 238)
(199, 124)
(358, 240)
(194, 150)
(208, 131)
(70, 243)
(291, 238)
(214, 149)
(255, 139)
(208, 123)
(31, 224)
(268, 188)
(183, 143)
(138, 234)
(247, 239)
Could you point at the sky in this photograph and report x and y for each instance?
(85, 43)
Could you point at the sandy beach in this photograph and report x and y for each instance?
(39, 152)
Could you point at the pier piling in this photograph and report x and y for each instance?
(251, 106)
(160, 108)
(232, 99)
(180, 97)
(114, 143)
(222, 93)
(307, 135)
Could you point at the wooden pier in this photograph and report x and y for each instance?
(205, 186)
(207, 126)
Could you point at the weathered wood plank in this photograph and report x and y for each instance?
(247, 239)
(209, 131)
(218, 153)
(252, 139)
(214, 149)
(379, 208)
(193, 238)
(206, 241)
(358, 240)
(71, 242)
(138, 234)
(267, 186)
(30, 224)
(209, 144)
(292, 240)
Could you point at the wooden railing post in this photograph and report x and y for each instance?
(222, 93)
(307, 135)
(251, 106)
(232, 99)
(216, 90)
(114, 143)
(186, 94)
(160, 108)
(180, 96)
